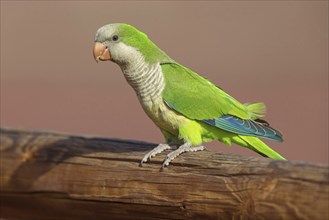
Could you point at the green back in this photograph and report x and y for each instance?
(197, 98)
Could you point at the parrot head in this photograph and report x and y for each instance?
(124, 44)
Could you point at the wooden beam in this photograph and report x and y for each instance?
(51, 176)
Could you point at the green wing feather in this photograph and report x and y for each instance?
(197, 98)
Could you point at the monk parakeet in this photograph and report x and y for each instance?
(188, 109)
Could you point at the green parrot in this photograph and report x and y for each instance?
(188, 109)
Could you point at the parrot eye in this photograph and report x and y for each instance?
(115, 37)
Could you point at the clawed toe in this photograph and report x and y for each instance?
(182, 149)
(158, 149)
(172, 155)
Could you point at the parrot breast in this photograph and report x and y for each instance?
(148, 82)
(146, 79)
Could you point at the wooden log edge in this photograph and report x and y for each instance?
(46, 175)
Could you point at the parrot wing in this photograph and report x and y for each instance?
(197, 98)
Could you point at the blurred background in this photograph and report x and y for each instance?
(270, 51)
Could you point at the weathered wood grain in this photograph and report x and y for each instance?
(56, 176)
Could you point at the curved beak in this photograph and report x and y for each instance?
(101, 52)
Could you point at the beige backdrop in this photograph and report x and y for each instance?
(276, 52)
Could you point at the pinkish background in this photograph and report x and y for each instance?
(276, 52)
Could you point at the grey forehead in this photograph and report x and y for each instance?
(105, 32)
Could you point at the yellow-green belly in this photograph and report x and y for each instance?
(177, 127)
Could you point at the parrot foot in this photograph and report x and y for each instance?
(154, 152)
(181, 149)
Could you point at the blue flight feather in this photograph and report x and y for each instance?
(245, 127)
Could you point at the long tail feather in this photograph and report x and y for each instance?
(258, 146)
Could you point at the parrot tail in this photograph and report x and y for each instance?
(256, 110)
(257, 145)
